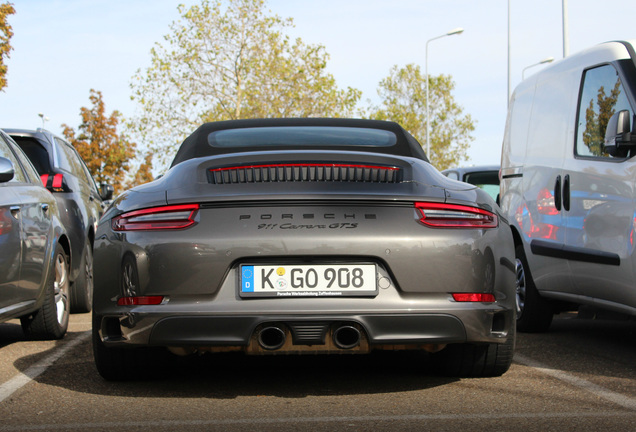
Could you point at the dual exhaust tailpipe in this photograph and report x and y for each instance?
(272, 338)
(345, 337)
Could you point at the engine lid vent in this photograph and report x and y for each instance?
(305, 172)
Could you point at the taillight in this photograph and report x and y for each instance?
(171, 217)
(474, 297)
(440, 215)
(54, 182)
(307, 165)
(139, 301)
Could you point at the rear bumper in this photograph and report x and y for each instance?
(206, 331)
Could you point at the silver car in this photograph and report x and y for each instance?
(303, 236)
(65, 174)
(34, 249)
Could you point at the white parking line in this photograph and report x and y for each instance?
(23, 378)
(601, 392)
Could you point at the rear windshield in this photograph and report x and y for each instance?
(302, 136)
(35, 152)
(484, 177)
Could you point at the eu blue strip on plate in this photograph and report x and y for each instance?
(247, 279)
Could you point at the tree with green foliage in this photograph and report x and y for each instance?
(232, 63)
(597, 117)
(403, 100)
(6, 32)
(107, 152)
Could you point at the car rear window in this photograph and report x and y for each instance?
(485, 177)
(302, 136)
(36, 153)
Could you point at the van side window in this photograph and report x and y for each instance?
(602, 95)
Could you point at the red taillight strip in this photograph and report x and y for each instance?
(45, 179)
(157, 218)
(139, 301)
(474, 297)
(303, 165)
(441, 215)
(57, 181)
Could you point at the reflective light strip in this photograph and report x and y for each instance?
(140, 301)
(474, 297)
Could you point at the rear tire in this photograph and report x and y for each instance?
(534, 313)
(82, 289)
(476, 361)
(51, 320)
(125, 364)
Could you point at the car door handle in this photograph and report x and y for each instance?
(557, 193)
(15, 211)
(566, 192)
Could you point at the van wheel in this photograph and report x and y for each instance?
(51, 320)
(82, 289)
(534, 313)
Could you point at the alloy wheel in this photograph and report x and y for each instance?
(61, 287)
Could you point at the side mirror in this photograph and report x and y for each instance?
(6, 170)
(619, 139)
(106, 191)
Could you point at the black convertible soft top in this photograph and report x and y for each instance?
(373, 136)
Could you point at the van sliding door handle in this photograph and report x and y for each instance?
(566, 192)
(557, 193)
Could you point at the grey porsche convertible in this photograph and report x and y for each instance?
(304, 236)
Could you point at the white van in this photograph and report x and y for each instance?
(568, 185)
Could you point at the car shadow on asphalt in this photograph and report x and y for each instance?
(11, 333)
(603, 344)
(232, 375)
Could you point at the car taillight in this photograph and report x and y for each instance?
(171, 217)
(139, 301)
(474, 297)
(54, 182)
(441, 215)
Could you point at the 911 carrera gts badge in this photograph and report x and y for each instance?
(308, 221)
(291, 226)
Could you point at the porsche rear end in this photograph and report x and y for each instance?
(305, 252)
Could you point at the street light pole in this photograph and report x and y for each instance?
(458, 30)
(545, 60)
(44, 119)
(508, 88)
(566, 40)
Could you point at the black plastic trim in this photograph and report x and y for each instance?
(558, 250)
(237, 330)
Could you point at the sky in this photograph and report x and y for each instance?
(65, 48)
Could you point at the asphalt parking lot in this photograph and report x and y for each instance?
(579, 376)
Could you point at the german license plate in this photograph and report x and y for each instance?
(308, 280)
